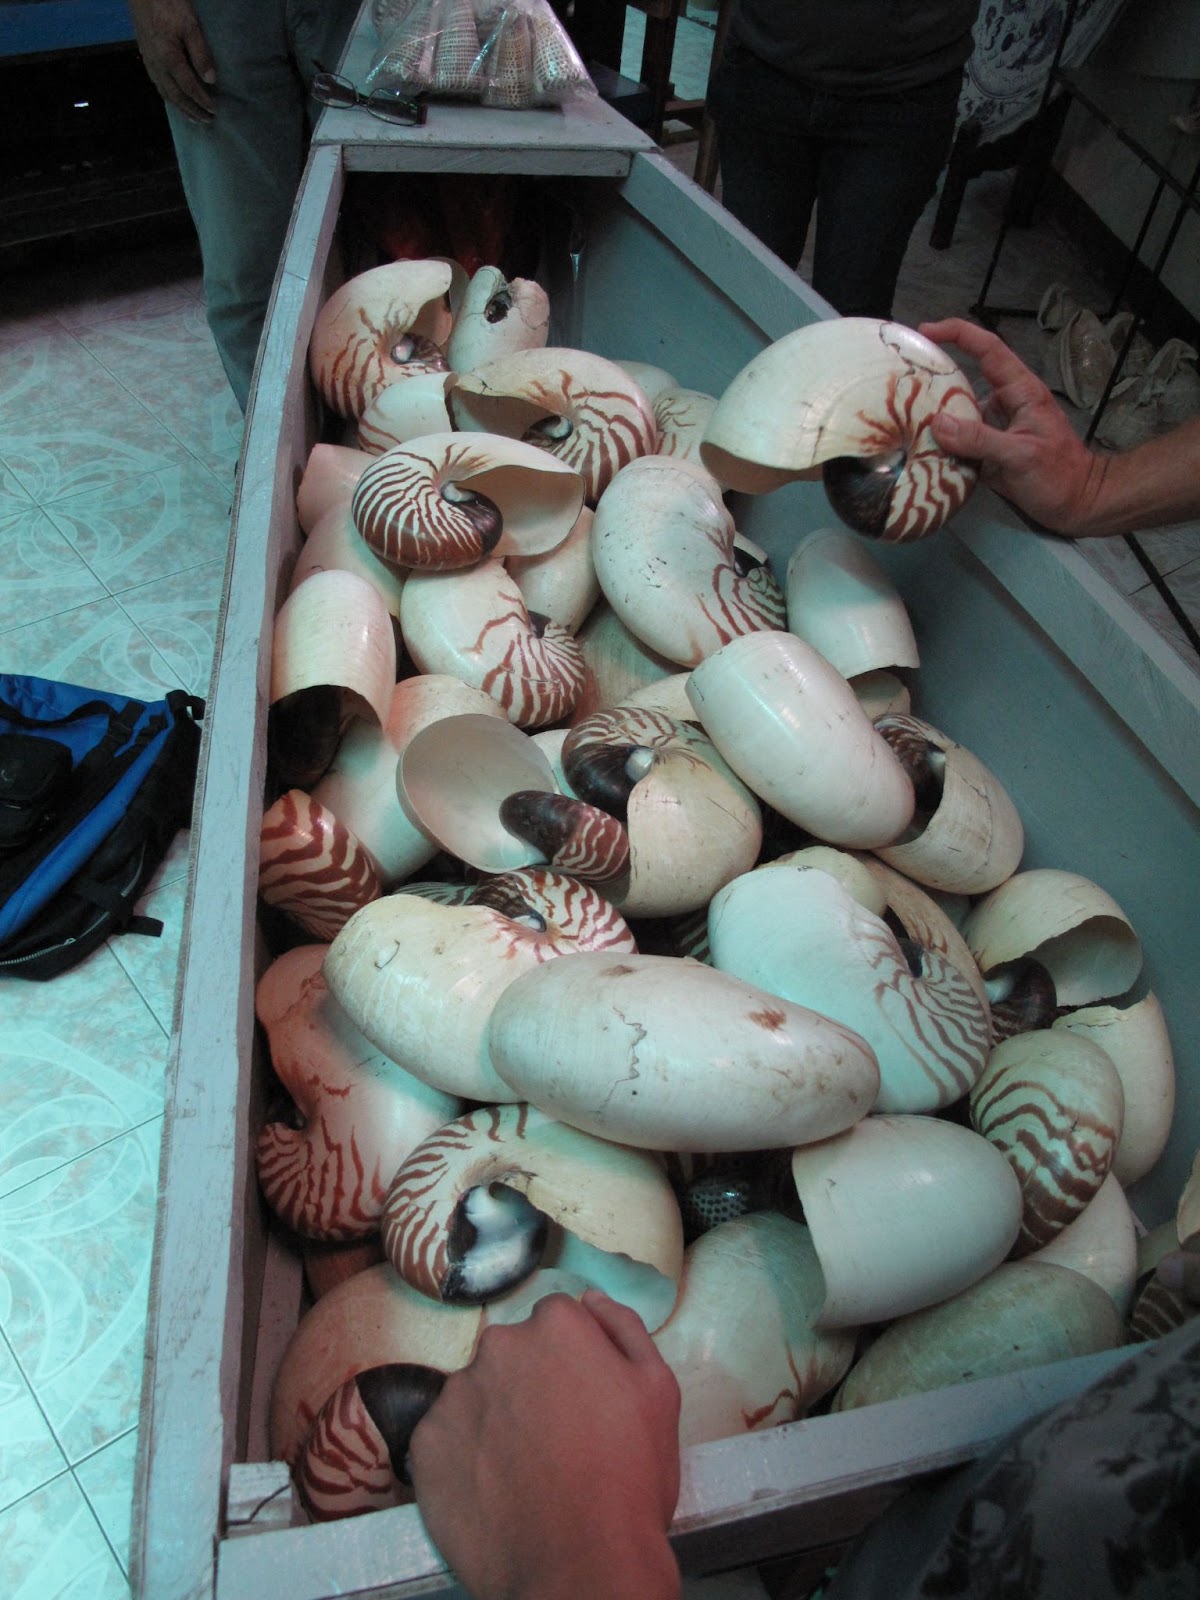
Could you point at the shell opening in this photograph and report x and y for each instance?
(499, 306)
(483, 514)
(396, 1397)
(1021, 996)
(860, 489)
(549, 431)
(496, 1239)
(412, 347)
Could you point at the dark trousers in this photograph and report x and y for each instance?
(869, 163)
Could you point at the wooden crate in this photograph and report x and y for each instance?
(1027, 656)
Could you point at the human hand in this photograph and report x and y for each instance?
(549, 1467)
(1028, 451)
(176, 55)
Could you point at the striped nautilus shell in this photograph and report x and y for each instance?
(655, 801)
(666, 555)
(852, 397)
(446, 500)
(682, 416)
(1052, 1102)
(486, 1199)
(583, 409)
(359, 1114)
(380, 327)
(404, 411)
(312, 866)
(797, 933)
(476, 626)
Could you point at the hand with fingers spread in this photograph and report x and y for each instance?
(1031, 455)
(549, 1468)
(176, 55)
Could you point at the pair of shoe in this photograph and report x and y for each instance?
(1085, 350)
(1148, 403)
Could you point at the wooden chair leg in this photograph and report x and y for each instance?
(959, 169)
(707, 154)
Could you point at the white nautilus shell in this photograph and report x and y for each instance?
(844, 604)
(651, 380)
(580, 407)
(663, 545)
(791, 728)
(311, 865)
(667, 1054)
(335, 630)
(496, 317)
(659, 819)
(852, 397)
(446, 500)
(360, 1113)
(405, 411)
(1136, 1041)
(476, 626)
(1100, 1244)
(335, 544)
(742, 1341)
(918, 916)
(378, 328)
(665, 695)
(421, 979)
(797, 933)
(682, 416)
(486, 1199)
(616, 662)
(328, 480)
(1053, 1103)
(904, 1211)
(561, 584)
(966, 836)
(1023, 1315)
(1070, 925)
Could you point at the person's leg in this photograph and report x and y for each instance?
(769, 165)
(879, 170)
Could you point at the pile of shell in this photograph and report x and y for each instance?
(863, 1090)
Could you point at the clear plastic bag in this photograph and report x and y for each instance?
(504, 53)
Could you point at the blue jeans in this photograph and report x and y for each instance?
(868, 162)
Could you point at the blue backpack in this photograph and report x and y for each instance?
(93, 787)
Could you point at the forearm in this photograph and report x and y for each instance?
(1153, 484)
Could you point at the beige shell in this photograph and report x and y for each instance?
(1023, 1315)
(847, 868)
(790, 727)
(856, 396)
(496, 317)
(476, 626)
(651, 380)
(664, 553)
(405, 411)
(312, 866)
(1135, 1038)
(561, 584)
(335, 630)
(601, 1211)
(1073, 927)
(973, 840)
(843, 603)
(926, 920)
(1101, 1244)
(668, 696)
(446, 500)
(682, 416)
(742, 1340)
(335, 544)
(668, 1054)
(326, 1265)
(1053, 1103)
(374, 331)
(796, 932)
(904, 1211)
(328, 480)
(616, 662)
(880, 693)
(362, 1114)
(579, 406)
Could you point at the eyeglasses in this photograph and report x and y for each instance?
(391, 105)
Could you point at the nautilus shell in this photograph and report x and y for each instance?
(312, 866)
(486, 1199)
(421, 979)
(405, 411)
(328, 480)
(917, 915)
(854, 398)
(663, 545)
(616, 662)
(476, 626)
(335, 630)
(842, 602)
(742, 1340)
(446, 500)
(1053, 1103)
(671, 1055)
(360, 1114)
(682, 416)
(797, 933)
(378, 328)
(561, 583)
(496, 317)
(1136, 1041)
(578, 406)
(1100, 1244)
(336, 544)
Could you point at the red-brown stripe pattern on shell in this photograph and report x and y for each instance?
(362, 365)
(769, 601)
(609, 428)
(536, 678)
(575, 837)
(931, 485)
(632, 725)
(400, 512)
(312, 866)
(1157, 1311)
(574, 913)
(319, 1186)
(343, 1467)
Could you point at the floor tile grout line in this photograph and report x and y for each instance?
(41, 1410)
(84, 1155)
(99, 1520)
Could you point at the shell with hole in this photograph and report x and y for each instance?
(792, 729)
(582, 408)
(361, 1114)
(497, 316)
(796, 932)
(421, 979)
(663, 545)
(380, 327)
(447, 500)
(488, 1198)
(335, 630)
(851, 398)
(667, 1054)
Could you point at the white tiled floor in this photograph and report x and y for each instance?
(118, 443)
